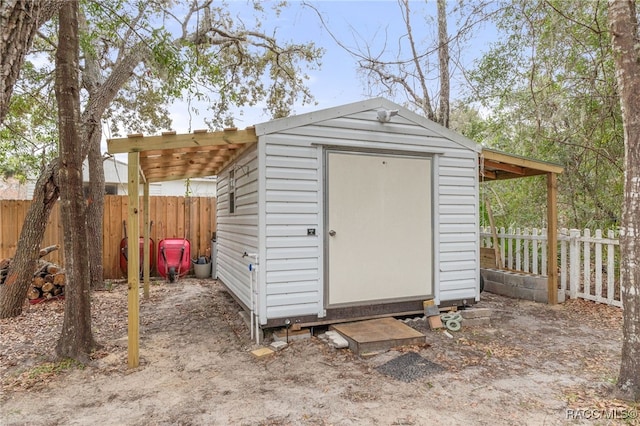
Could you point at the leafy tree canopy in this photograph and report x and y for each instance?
(549, 88)
(193, 50)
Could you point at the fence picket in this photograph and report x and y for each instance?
(503, 247)
(544, 270)
(598, 266)
(611, 273)
(586, 269)
(525, 255)
(563, 264)
(510, 249)
(574, 262)
(518, 256)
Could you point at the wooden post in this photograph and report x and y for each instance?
(552, 239)
(133, 262)
(147, 228)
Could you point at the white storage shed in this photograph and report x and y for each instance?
(357, 211)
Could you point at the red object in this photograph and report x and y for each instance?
(124, 253)
(174, 258)
(44, 299)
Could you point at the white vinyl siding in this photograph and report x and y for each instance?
(292, 266)
(294, 263)
(458, 226)
(237, 233)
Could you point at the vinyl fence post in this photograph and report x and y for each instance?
(598, 248)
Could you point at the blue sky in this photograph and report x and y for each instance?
(357, 24)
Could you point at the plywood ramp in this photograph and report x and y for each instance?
(378, 335)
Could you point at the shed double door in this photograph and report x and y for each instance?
(379, 228)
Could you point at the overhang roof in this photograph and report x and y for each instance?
(172, 156)
(498, 165)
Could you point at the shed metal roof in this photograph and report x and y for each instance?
(373, 104)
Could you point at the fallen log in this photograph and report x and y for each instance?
(60, 279)
(44, 267)
(45, 251)
(34, 293)
(47, 287)
(37, 282)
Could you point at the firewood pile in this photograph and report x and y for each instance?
(48, 280)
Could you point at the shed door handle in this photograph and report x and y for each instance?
(332, 233)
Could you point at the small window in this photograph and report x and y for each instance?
(111, 189)
(232, 191)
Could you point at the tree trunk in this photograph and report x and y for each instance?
(425, 99)
(76, 340)
(95, 212)
(92, 126)
(101, 95)
(443, 56)
(16, 285)
(624, 29)
(19, 22)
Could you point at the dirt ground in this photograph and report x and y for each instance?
(535, 365)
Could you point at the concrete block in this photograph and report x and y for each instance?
(540, 296)
(476, 313)
(281, 335)
(476, 322)
(499, 288)
(336, 340)
(492, 287)
(430, 308)
(523, 293)
(278, 345)
(515, 280)
(492, 275)
(535, 282)
(262, 352)
(435, 323)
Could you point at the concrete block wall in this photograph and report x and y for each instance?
(516, 285)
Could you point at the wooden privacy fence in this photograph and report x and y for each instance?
(173, 217)
(589, 263)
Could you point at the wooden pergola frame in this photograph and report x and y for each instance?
(497, 165)
(172, 156)
(167, 157)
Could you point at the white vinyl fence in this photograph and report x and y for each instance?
(589, 265)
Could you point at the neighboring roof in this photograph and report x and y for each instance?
(373, 104)
(498, 165)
